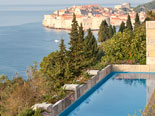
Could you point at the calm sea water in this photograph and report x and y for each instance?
(23, 39)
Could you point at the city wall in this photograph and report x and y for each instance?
(61, 23)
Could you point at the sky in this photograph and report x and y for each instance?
(41, 2)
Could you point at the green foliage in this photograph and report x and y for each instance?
(38, 112)
(76, 50)
(30, 112)
(27, 112)
(103, 33)
(122, 27)
(126, 47)
(91, 48)
(64, 66)
(128, 23)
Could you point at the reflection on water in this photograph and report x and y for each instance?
(146, 79)
(150, 87)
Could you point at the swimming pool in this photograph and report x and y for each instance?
(118, 94)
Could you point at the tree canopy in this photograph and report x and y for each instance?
(117, 49)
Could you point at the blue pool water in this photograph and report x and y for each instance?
(113, 97)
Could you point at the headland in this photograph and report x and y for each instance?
(91, 16)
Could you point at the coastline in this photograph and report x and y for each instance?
(65, 29)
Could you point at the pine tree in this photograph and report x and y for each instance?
(137, 21)
(122, 27)
(61, 59)
(103, 33)
(75, 50)
(91, 48)
(54, 64)
(62, 50)
(128, 23)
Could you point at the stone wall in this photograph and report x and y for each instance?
(131, 68)
(150, 44)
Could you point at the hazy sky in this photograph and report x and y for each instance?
(70, 1)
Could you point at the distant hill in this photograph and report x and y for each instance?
(145, 7)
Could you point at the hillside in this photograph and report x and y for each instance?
(145, 7)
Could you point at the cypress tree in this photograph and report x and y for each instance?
(111, 31)
(128, 23)
(73, 35)
(91, 48)
(114, 30)
(103, 33)
(122, 27)
(137, 21)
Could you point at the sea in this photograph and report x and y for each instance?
(23, 39)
